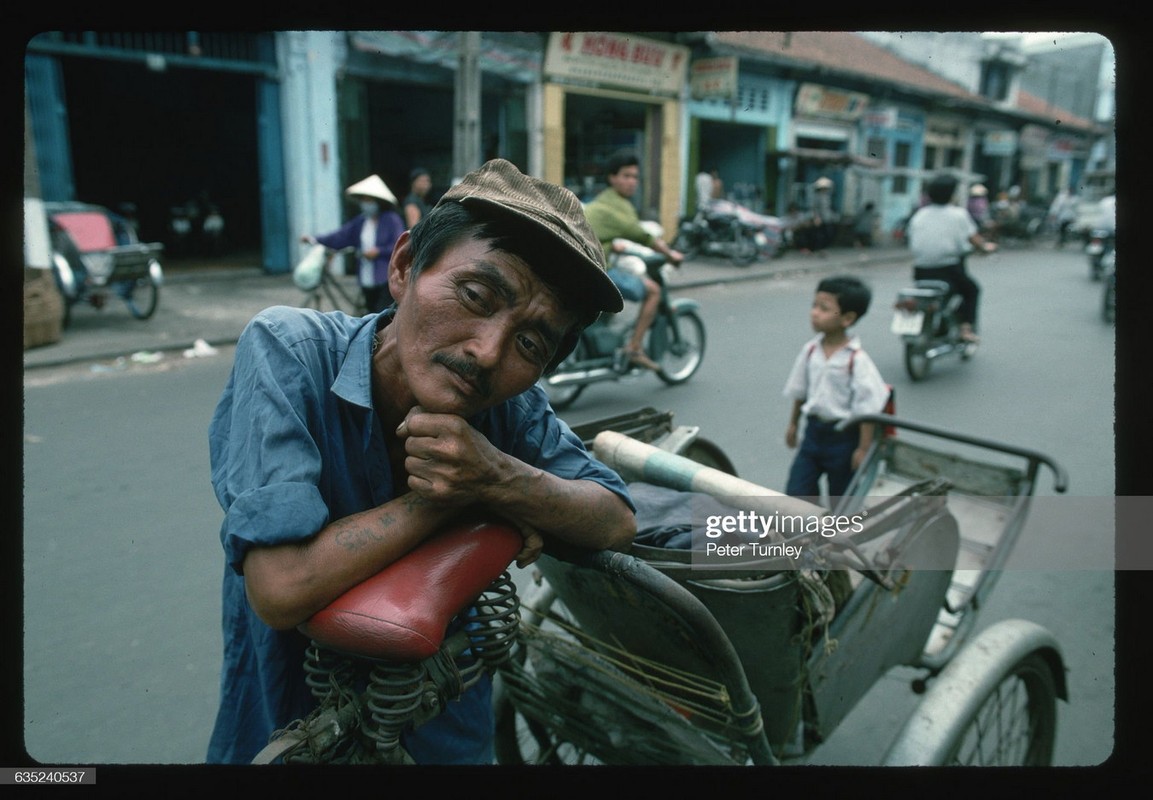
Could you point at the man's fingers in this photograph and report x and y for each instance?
(533, 547)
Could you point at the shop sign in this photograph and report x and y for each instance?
(617, 59)
(1063, 148)
(999, 143)
(815, 100)
(713, 77)
(883, 117)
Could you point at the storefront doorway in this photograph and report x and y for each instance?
(598, 127)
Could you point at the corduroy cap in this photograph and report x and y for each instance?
(555, 211)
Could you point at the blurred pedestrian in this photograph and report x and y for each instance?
(1062, 214)
(824, 219)
(415, 204)
(373, 233)
(865, 224)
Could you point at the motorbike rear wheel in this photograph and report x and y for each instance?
(679, 346)
(562, 396)
(688, 244)
(916, 361)
(744, 247)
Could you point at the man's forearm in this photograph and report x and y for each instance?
(290, 582)
(578, 512)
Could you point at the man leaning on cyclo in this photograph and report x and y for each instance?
(339, 443)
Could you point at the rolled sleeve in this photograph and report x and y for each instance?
(271, 515)
(265, 463)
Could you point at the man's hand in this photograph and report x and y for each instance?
(448, 461)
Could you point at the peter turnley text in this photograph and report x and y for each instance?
(759, 525)
(753, 549)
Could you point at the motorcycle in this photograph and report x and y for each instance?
(925, 317)
(676, 341)
(90, 263)
(1098, 244)
(727, 230)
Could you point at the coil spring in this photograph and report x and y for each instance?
(497, 614)
(326, 672)
(392, 698)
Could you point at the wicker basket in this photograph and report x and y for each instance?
(43, 308)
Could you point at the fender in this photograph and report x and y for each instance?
(684, 303)
(65, 276)
(966, 681)
(155, 272)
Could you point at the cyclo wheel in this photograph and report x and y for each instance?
(562, 396)
(681, 352)
(142, 296)
(1016, 724)
(519, 739)
(916, 362)
(994, 704)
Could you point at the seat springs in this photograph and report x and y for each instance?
(327, 671)
(494, 622)
(392, 698)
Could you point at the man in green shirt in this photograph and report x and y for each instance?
(613, 216)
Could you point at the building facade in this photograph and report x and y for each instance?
(270, 127)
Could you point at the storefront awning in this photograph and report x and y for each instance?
(443, 48)
(835, 157)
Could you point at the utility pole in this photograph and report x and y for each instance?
(466, 154)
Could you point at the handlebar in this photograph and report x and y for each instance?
(1061, 477)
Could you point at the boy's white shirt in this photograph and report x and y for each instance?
(828, 389)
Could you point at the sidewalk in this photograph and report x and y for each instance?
(214, 304)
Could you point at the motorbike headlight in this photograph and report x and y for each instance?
(99, 266)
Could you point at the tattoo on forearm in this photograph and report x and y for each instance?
(356, 538)
(413, 501)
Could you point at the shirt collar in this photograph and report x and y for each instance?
(354, 381)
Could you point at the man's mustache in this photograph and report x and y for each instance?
(467, 369)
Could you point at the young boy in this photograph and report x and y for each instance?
(832, 379)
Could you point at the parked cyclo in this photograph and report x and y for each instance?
(661, 656)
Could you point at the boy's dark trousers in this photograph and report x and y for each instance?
(823, 451)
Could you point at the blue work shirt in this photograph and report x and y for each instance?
(295, 444)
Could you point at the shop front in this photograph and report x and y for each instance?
(825, 133)
(737, 119)
(400, 100)
(606, 92)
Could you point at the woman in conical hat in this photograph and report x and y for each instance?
(373, 232)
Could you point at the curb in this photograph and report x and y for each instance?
(228, 277)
